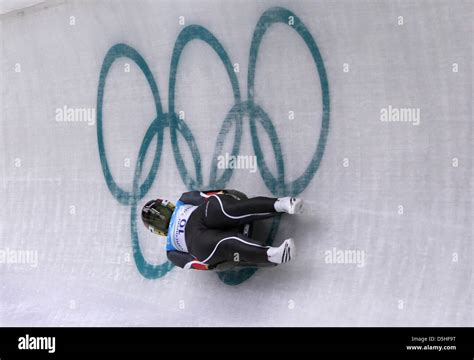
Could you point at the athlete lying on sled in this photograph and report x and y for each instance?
(204, 228)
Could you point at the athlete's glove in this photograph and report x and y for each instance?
(197, 265)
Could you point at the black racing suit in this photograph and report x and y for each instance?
(213, 231)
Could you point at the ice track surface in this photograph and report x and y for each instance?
(90, 89)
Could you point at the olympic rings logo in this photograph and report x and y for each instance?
(276, 184)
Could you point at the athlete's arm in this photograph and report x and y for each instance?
(197, 197)
(186, 261)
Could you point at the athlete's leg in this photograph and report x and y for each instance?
(224, 211)
(214, 247)
(236, 247)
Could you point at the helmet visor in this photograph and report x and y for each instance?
(156, 216)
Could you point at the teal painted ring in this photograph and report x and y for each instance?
(115, 52)
(148, 270)
(278, 186)
(189, 33)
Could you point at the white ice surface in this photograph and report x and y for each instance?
(55, 202)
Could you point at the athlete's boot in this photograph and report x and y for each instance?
(282, 254)
(290, 205)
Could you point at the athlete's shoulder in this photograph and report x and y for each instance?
(197, 197)
(192, 198)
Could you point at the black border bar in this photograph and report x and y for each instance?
(82, 341)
